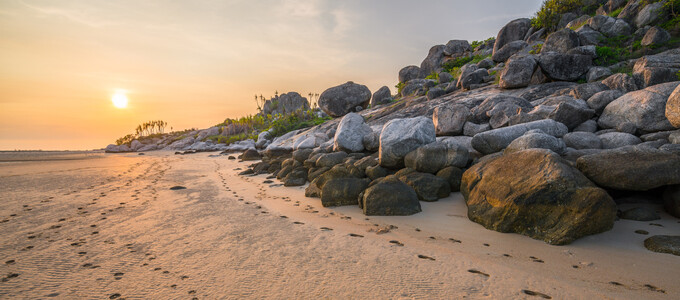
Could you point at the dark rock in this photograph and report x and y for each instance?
(381, 96)
(435, 156)
(631, 168)
(587, 90)
(658, 68)
(296, 177)
(546, 89)
(251, 155)
(587, 126)
(340, 100)
(302, 154)
(471, 75)
(536, 193)
(536, 139)
(588, 36)
(613, 140)
(453, 176)
(640, 214)
(470, 129)
(409, 73)
(432, 63)
(567, 67)
(390, 197)
(343, 191)
(434, 93)
(480, 112)
(450, 119)
(518, 72)
(664, 244)
(178, 187)
(513, 31)
(428, 187)
(508, 50)
(571, 115)
(457, 48)
(600, 100)
(331, 159)
(650, 14)
(582, 140)
(561, 41)
(671, 200)
(598, 73)
(376, 172)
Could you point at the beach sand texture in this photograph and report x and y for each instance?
(111, 227)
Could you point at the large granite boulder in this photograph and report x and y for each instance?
(350, 134)
(650, 14)
(251, 154)
(401, 136)
(536, 139)
(433, 62)
(471, 75)
(517, 72)
(536, 193)
(645, 109)
(600, 100)
(631, 168)
(389, 196)
(582, 140)
(428, 187)
(673, 108)
(655, 36)
(450, 119)
(514, 31)
(622, 82)
(613, 140)
(343, 191)
(340, 100)
(658, 68)
(409, 72)
(381, 96)
(508, 50)
(561, 41)
(671, 200)
(498, 139)
(565, 67)
(435, 156)
(457, 48)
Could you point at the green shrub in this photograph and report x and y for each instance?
(536, 49)
(400, 86)
(457, 63)
(548, 16)
(616, 12)
(476, 44)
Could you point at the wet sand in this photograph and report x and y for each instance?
(112, 228)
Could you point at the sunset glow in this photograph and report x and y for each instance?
(119, 100)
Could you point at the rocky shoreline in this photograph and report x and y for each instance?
(541, 136)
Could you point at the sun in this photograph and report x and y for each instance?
(119, 100)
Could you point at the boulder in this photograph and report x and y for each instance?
(381, 96)
(508, 50)
(350, 134)
(434, 93)
(571, 114)
(297, 177)
(645, 109)
(658, 68)
(671, 200)
(588, 36)
(566, 67)
(582, 140)
(513, 31)
(587, 90)
(428, 187)
(445, 77)
(600, 100)
(453, 176)
(432, 63)
(401, 136)
(622, 82)
(672, 111)
(450, 119)
(435, 156)
(480, 112)
(343, 191)
(457, 48)
(664, 244)
(372, 141)
(470, 129)
(598, 73)
(408, 73)
(331, 159)
(613, 140)
(498, 139)
(561, 41)
(609, 26)
(650, 14)
(640, 214)
(389, 197)
(375, 172)
(517, 72)
(471, 75)
(340, 100)
(631, 168)
(250, 154)
(589, 50)
(655, 36)
(536, 193)
(302, 154)
(587, 126)
(536, 139)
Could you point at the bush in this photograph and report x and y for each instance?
(457, 63)
(609, 55)
(476, 44)
(548, 16)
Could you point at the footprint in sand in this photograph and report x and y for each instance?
(616, 283)
(298, 223)
(533, 293)
(398, 243)
(9, 276)
(114, 296)
(654, 289)
(9, 262)
(536, 259)
(355, 235)
(326, 229)
(643, 232)
(474, 271)
(425, 257)
(177, 187)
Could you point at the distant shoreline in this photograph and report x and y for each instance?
(48, 155)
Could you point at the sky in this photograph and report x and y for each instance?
(195, 63)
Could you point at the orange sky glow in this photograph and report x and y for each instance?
(195, 63)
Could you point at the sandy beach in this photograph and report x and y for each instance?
(111, 227)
